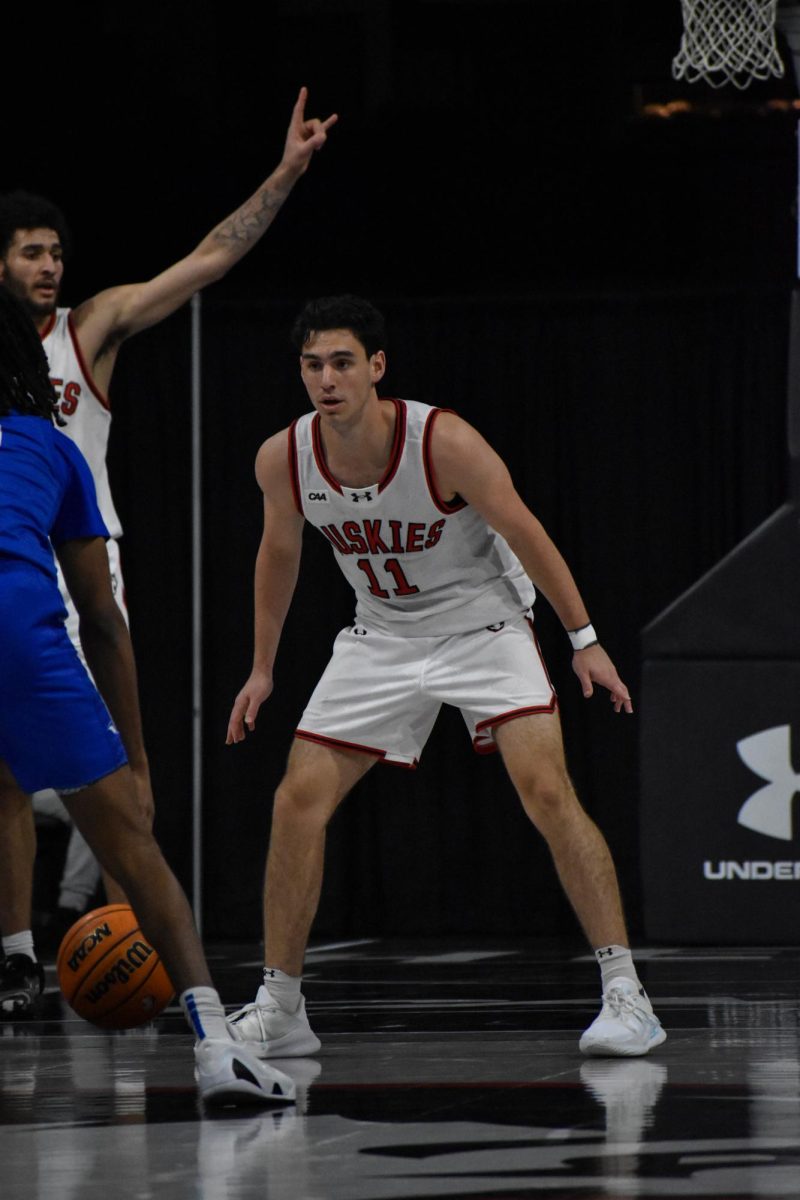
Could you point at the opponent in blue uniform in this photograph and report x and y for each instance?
(55, 729)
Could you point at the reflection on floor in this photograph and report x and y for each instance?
(447, 1069)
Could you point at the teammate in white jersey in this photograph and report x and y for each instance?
(82, 346)
(443, 555)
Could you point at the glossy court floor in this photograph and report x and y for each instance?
(447, 1069)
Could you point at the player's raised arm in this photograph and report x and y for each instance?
(277, 564)
(465, 464)
(113, 315)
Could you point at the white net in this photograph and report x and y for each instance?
(727, 41)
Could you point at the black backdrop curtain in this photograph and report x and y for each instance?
(647, 431)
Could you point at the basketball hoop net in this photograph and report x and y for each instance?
(727, 41)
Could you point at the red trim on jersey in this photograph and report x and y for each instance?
(398, 443)
(50, 326)
(294, 470)
(319, 454)
(87, 374)
(445, 506)
(340, 745)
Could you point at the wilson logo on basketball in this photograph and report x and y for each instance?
(89, 942)
(121, 971)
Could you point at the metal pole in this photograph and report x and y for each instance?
(197, 617)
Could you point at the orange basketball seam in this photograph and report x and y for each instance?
(90, 919)
(93, 968)
(104, 955)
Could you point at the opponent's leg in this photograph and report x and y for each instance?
(107, 816)
(317, 779)
(533, 754)
(21, 976)
(110, 818)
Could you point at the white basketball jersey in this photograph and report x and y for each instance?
(419, 565)
(83, 406)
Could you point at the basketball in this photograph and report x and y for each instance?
(108, 972)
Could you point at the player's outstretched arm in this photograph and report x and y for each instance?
(465, 464)
(113, 315)
(277, 565)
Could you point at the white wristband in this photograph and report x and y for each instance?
(581, 638)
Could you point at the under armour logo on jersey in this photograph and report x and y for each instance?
(356, 496)
(317, 497)
(769, 810)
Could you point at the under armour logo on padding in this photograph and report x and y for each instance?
(769, 810)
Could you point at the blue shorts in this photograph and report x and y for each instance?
(55, 731)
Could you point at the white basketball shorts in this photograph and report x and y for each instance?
(117, 586)
(381, 693)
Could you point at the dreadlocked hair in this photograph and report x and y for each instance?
(25, 385)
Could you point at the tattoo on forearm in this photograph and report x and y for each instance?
(251, 220)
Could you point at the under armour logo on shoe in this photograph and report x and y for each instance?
(603, 953)
(769, 810)
(269, 972)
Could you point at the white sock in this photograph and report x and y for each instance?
(20, 943)
(203, 1010)
(615, 962)
(284, 989)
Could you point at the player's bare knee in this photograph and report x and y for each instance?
(547, 797)
(129, 859)
(299, 798)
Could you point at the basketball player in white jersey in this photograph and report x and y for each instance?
(443, 555)
(82, 346)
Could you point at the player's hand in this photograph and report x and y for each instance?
(593, 665)
(305, 135)
(246, 706)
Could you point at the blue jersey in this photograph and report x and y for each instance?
(47, 493)
(55, 731)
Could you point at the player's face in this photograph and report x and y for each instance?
(32, 269)
(339, 377)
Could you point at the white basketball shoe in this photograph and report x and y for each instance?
(271, 1032)
(626, 1026)
(230, 1073)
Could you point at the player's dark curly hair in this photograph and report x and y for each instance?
(26, 210)
(357, 315)
(25, 385)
